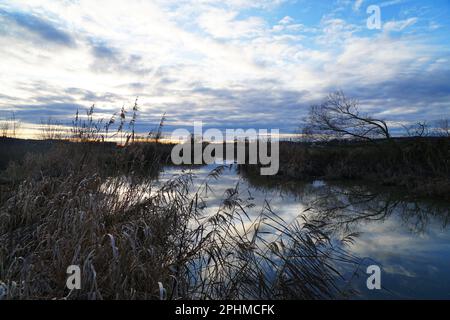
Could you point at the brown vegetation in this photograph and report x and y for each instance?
(96, 205)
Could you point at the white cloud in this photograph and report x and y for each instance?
(434, 26)
(336, 30)
(286, 20)
(357, 5)
(221, 23)
(399, 25)
(200, 54)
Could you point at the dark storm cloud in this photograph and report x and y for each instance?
(44, 29)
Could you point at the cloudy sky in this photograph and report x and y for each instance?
(232, 64)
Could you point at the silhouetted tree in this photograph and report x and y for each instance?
(419, 129)
(443, 128)
(10, 127)
(339, 117)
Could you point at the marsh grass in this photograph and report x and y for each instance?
(134, 240)
(94, 204)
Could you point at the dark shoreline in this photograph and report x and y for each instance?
(420, 166)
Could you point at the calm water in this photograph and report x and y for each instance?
(409, 240)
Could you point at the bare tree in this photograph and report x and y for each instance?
(10, 127)
(16, 125)
(443, 128)
(419, 129)
(4, 128)
(339, 117)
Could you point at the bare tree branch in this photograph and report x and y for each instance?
(339, 117)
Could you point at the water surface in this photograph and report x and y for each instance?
(409, 240)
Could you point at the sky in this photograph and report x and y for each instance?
(231, 64)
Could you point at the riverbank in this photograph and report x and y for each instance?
(421, 166)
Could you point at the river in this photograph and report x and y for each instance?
(408, 239)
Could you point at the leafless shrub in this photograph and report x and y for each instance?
(4, 128)
(52, 129)
(443, 128)
(419, 129)
(439, 128)
(10, 127)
